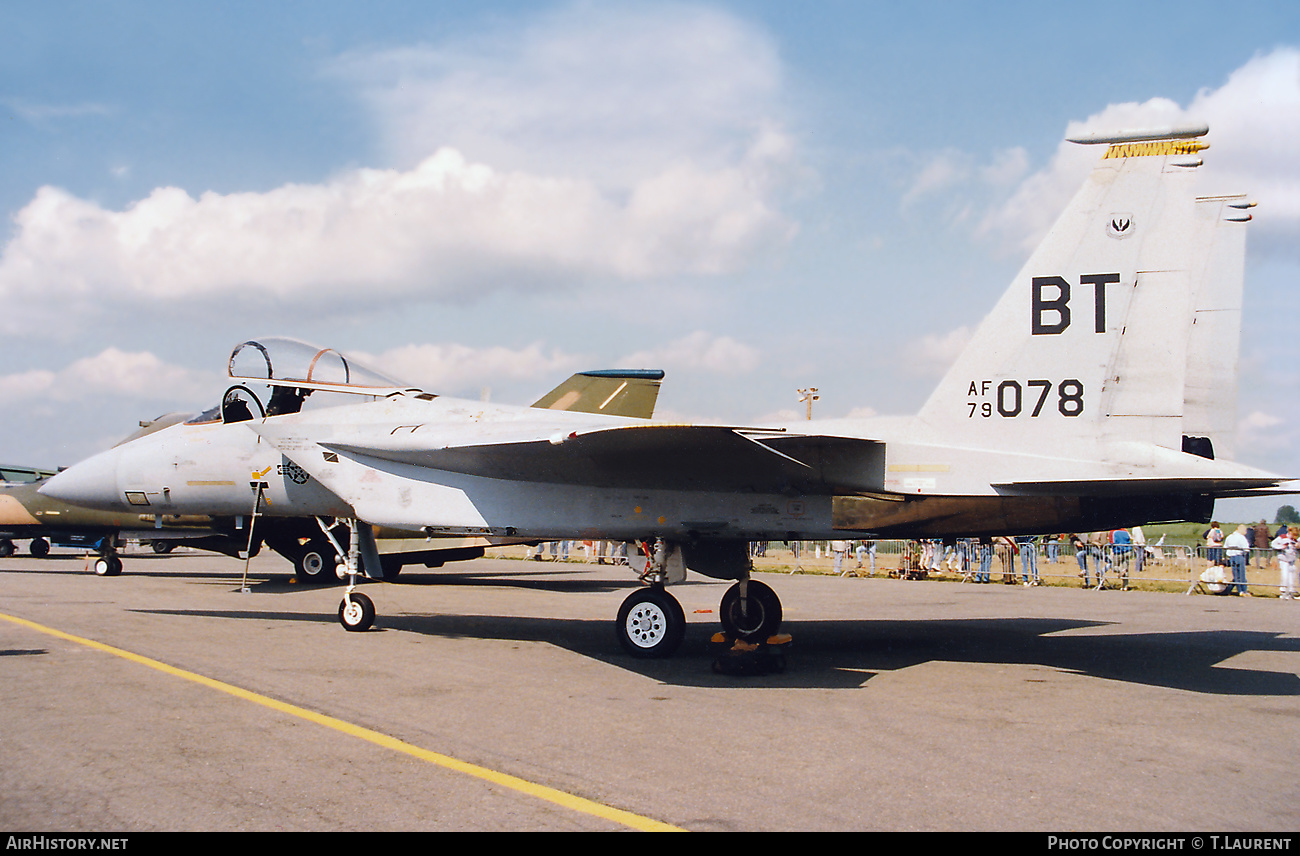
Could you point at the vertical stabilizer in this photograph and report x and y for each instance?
(1092, 338)
(1210, 391)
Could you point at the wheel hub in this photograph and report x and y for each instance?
(646, 624)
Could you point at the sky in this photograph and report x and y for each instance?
(481, 199)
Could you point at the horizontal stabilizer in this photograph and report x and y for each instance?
(1139, 487)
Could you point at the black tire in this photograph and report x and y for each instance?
(356, 613)
(107, 566)
(650, 624)
(40, 547)
(759, 620)
(314, 563)
(6, 548)
(163, 546)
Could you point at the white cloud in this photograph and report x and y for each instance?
(113, 373)
(448, 229)
(952, 185)
(1254, 121)
(45, 114)
(1269, 440)
(612, 92)
(933, 354)
(1256, 421)
(938, 174)
(610, 144)
(698, 351)
(781, 417)
(439, 368)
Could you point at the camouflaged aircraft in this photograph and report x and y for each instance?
(26, 513)
(1098, 393)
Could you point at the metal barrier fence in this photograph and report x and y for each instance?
(1007, 561)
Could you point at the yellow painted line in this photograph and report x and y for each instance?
(542, 792)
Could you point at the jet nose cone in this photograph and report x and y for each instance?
(91, 483)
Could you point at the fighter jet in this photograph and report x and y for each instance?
(1091, 397)
(234, 526)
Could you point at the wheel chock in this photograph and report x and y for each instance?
(738, 657)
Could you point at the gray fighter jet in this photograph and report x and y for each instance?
(1098, 393)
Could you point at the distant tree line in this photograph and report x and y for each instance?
(1287, 514)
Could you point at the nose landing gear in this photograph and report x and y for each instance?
(356, 612)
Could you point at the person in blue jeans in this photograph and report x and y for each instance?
(986, 560)
(1238, 550)
(1081, 555)
(1028, 559)
(1122, 550)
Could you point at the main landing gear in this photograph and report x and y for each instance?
(314, 562)
(107, 565)
(651, 623)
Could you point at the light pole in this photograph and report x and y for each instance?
(808, 395)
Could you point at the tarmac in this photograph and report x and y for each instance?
(493, 696)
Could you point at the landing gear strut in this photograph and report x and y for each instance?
(651, 623)
(356, 611)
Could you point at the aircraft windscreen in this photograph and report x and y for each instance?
(291, 360)
(284, 361)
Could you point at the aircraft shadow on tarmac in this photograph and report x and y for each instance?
(826, 654)
(840, 654)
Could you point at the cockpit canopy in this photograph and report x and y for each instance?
(274, 376)
(291, 360)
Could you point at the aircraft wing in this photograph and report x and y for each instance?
(1286, 488)
(23, 475)
(681, 457)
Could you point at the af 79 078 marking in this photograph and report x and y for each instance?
(1010, 398)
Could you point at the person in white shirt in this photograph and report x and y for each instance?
(1238, 549)
(1285, 545)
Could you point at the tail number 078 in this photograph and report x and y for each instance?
(1011, 398)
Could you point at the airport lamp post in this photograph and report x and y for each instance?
(808, 395)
